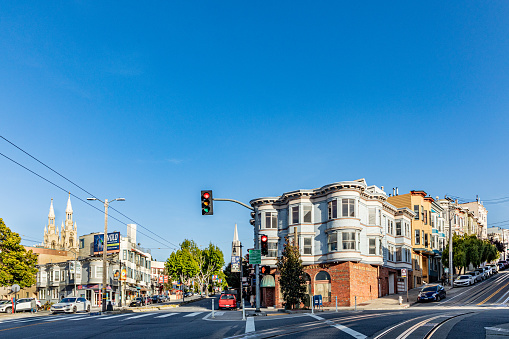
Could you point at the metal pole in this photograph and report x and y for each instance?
(336, 304)
(212, 307)
(105, 248)
(313, 305)
(241, 285)
(406, 287)
(257, 270)
(75, 289)
(355, 303)
(120, 282)
(451, 266)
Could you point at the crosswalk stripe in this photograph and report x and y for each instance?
(250, 325)
(113, 316)
(165, 315)
(138, 316)
(85, 317)
(193, 314)
(59, 318)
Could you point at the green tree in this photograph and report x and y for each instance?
(17, 265)
(182, 265)
(473, 250)
(458, 251)
(210, 261)
(291, 278)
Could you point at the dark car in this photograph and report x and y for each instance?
(137, 302)
(431, 292)
(156, 299)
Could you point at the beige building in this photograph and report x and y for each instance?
(480, 217)
(65, 239)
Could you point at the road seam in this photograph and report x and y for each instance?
(340, 327)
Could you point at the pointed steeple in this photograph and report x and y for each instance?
(235, 234)
(69, 207)
(51, 214)
(236, 243)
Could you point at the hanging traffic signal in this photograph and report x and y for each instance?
(265, 269)
(206, 203)
(264, 245)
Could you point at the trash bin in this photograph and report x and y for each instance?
(109, 307)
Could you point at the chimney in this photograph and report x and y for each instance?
(397, 192)
(382, 188)
(393, 191)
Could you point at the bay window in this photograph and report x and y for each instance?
(348, 207)
(332, 242)
(333, 209)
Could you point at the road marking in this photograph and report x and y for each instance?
(111, 317)
(193, 314)
(83, 317)
(165, 315)
(416, 326)
(62, 317)
(250, 326)
(340, 327)
(218, 314)
(498, 329)
(488, 298)
(138, 316)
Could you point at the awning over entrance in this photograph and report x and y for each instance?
(268, 281)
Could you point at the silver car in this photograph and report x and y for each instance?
(464, 280)
(71, 305)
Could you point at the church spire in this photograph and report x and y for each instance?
(69, 207)
(51, 214)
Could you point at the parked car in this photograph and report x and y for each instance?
(464, 280)
(477, 276)
(494, 268)
(156, 299)
(71, 305)
(227, 301)
(6, 307)
(483, 272)
(431, 292)
(137, 302)
(489, 269)
(501, 266)
(504, 262)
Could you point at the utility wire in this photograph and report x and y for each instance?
(86, 202)
(81, 188)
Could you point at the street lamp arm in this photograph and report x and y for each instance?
(238, 202)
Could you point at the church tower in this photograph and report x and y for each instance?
(51, 238)
(68, 236)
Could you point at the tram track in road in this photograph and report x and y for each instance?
(475, 292)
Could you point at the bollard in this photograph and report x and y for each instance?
(243, 311)
(355, 303)
(400, 299)
(212, 308)
(336, 304)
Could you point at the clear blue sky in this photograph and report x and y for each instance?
(155, 101)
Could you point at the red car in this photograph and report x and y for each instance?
(227, 301)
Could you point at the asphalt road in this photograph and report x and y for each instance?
(472, 312)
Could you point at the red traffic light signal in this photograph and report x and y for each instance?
(265, 269)
(264, 246)
(206, 203)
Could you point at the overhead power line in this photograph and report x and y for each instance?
(82, 200)
(84, 190)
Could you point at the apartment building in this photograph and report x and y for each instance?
(353, 243)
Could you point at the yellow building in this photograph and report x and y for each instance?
(421, 232)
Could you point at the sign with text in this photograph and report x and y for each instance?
(403, 273)
(255, 257)
(235, 263)
(113, 243)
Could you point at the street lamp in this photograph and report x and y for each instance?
(105, 246)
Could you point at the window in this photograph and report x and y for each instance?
(307, 246)
(407, 229)
(272, 246)
(372, 216)
(391, 227)
(348, 240)
(398, 227)
(98, 271)
(416, 211)
(348, 207)
(125, 254)
(425, 215)
(372, 245)
(270, 220)
(333, 242)
(333, 209)
(56, 275)
(295, 214)
(423, 212)
(417, 237)
(398, 254)
(306, 209)
(54, 293)
(426, 239)
(42, 294)
(82, 243)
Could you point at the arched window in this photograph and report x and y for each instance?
(323, 285)
(71, 244)
(53, 244)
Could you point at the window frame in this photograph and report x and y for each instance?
(350, 208)
(332, 243)
(333, 209)
(295, 210)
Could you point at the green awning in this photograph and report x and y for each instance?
(268, 281)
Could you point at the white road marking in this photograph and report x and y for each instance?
(63, 317)
(340, 327)
(218, 314)
(193, 314)
(83, 317)
(498, 329)
(138, 316)
(111, 317)
(250, 326)
(165, 315)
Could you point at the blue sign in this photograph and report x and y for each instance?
(113, 242)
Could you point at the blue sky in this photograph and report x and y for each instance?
(156, 101)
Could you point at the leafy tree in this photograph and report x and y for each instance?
(210, 261)
(291, 276)
(181, 265)
(17, 265)
(458, 251)
(473, 250)
(498, 244)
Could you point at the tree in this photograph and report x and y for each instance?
(498, 244)
(17, 265)
(458, 251)
(291, 279)
(181, 265)
(210, 260)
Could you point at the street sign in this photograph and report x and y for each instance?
(15, 288)
(255, 257)
(235, 263)
(403, 273)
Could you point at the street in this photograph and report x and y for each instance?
(478, 311)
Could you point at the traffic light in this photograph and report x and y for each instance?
(264, 245)
(206, 203)
(265, 269)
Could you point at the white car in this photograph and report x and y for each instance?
(464, 280)
(22, 305)
(71, 305)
